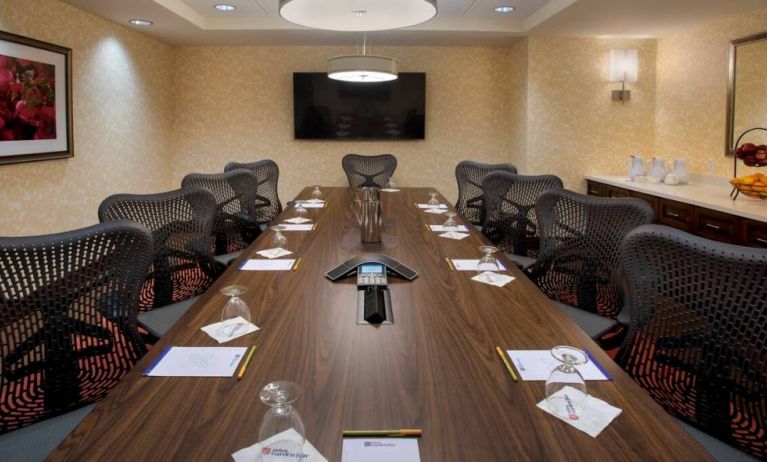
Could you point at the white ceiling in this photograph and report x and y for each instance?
(458, 22)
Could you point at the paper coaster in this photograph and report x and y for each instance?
(494, 279)
(232, 329)
(274, 253)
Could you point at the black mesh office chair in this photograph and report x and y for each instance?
(369, 171)
(267, 173)
(697, 339)
(68, 306)
(510, 221)
(235, 225)
(470, 176)
(578, 264)
(183, 267)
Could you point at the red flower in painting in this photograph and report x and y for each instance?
(27, 100)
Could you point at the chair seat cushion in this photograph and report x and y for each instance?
(593, 324)
(521, 261)
(226, 259)
(719, 450)
(35, 442)
(159, 320)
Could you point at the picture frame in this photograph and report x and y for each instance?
(35, 100)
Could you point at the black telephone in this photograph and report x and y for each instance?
(373, 301)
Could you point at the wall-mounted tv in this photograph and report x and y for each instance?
(327, 109)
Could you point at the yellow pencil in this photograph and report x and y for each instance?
(298, 264)
(314, 227)
(427, 227)
(506, 362)
(245, 363)
(450, 264)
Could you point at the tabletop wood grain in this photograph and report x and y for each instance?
(435, 368)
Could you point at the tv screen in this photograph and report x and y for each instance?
(327, 109)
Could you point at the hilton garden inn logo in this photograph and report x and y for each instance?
(378, 444)
(572, 413)
(279, 452)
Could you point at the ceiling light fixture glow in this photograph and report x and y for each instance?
(346, 15)
(362, 68)
(504, 9)
(225, 7)
(141, 22)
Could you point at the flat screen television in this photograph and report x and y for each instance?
(327, 109)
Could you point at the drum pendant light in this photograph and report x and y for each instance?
(362, 67)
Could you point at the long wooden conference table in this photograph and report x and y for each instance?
(435, 368)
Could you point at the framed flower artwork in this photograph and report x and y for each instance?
(35, 100)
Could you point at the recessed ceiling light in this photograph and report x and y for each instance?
(141, 22)
(504, 9)
(225, 7)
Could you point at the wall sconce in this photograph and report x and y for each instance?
(624, 67)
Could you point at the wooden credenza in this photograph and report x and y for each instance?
(701, 221)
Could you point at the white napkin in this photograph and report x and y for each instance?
(252, 453)
(436, 211)
(390, 190)
(429, 206)
(274, 253)
(298, 220)
(597, 415)
(494, 279)
(238, 327)
(454, 235)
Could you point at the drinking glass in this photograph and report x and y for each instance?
(278, 420)
(279, 239)
(488, 261)
(433, 201)
(450, 224)
(565, 388)
(391, 184)
(300, 210)
(235, 307)
(317, 193)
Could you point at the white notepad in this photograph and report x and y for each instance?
(429, 206)
(196, 362)
(470, 265)
(297, 227)
(298, 220)
(311, 205)
(536, 365)
(380, 450)
(254, 264)
(440, 228)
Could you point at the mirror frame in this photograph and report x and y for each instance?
(729, 149)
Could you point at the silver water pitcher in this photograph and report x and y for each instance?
(370, 221)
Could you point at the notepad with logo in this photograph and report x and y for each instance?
(470, 265)
(380, 450)
(255, 264)
(536, 365)
(430, 206)
(196, 362)
(441, 228)
(297, 227)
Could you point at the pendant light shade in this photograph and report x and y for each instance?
(362, 68)
(357, 15)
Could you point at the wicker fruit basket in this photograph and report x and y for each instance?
(752, 186)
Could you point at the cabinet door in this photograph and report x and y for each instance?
(755, 233)
(596, 189)
(613, 191)
(676, 214)
(652, 200)
(718, 226)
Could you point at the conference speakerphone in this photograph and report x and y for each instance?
(373, 300)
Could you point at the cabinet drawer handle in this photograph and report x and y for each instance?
(762, 240)
(673, 214)
(709, 225)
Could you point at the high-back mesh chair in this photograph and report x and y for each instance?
(697, 340)
(369, 171)
(182, 267)
(235, 225)
(470, 176)
(579, 258)
(68, 306)
(267, 173)
(510, 222)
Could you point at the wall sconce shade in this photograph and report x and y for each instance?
(624, 65)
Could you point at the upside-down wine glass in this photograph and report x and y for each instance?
(566, 391)
(450, 224)
(433, 201)
(283, 420)
(279, 239)
(487, 263)
(234, 309)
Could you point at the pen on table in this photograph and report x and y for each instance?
(404, 432)
(450, 264)
(298, 264)
(245, 363)
(427, 227)
(506, 362)
(314, 227)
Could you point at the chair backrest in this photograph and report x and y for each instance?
(267, 173)
(509, 202)
(579, 258)
(68, 307)
(181, 223)
(369, 171)
(697, 340)
(235, 225)
(470, 176)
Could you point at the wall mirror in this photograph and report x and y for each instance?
(747, 93)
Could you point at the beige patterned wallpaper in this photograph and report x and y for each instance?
(122, 118)
(692, 92)
(235, 104)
